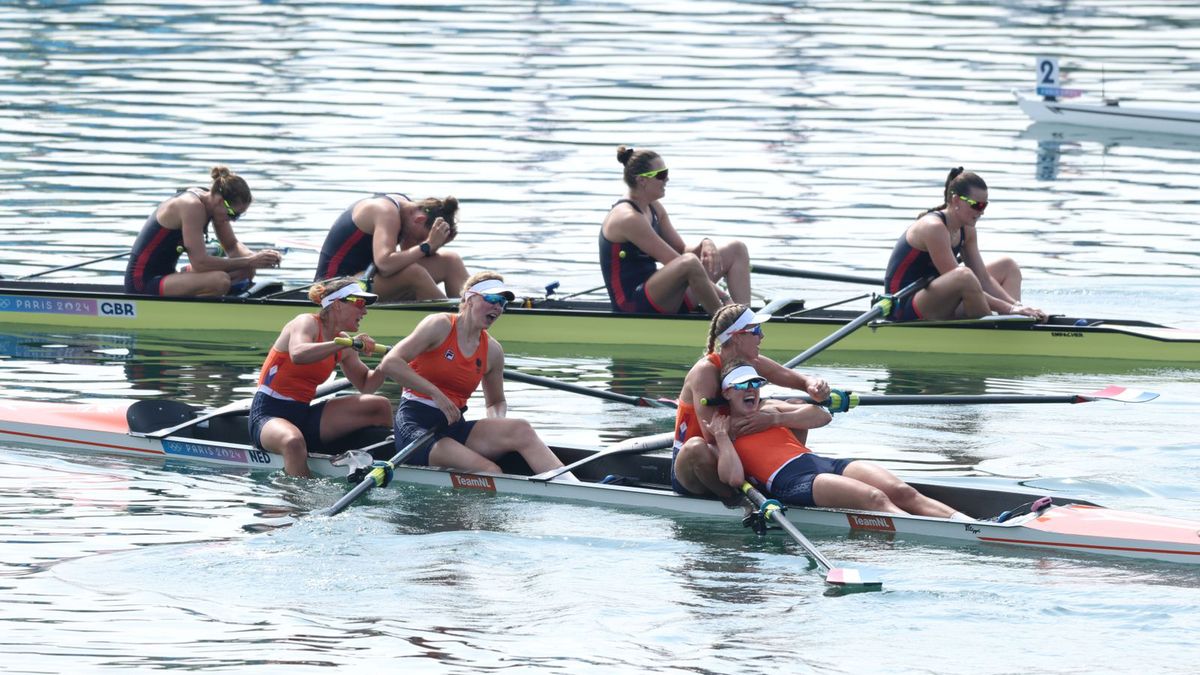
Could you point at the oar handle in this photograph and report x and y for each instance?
(358, 344)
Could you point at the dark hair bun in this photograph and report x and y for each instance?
(623, 154)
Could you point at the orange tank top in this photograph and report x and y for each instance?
(457, 375)
(765, 453)
(283, 379)
(687, 422)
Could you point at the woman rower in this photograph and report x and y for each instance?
(777, 461)
(637, 234)
(403, 239)
(933, 247)
(440, 364)
(734, 333)
(181, 223)
(282, 419)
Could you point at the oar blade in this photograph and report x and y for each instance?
(850, 577)
(1115, 393)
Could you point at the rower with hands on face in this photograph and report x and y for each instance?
(282, 417)
(405, 242)
(441, 364)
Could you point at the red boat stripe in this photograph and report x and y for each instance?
(148, 451)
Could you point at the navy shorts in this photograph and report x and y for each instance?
(150, 286)
(794, 482)
(306, 418)
(640, 303)
(905, 310)
(414, 418)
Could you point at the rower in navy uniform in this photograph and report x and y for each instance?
(404, 240)
(935, 245)
(637, 235)
(181, 224)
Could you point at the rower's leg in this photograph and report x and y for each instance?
(196, 284)
(283, 438)
(411, 283)
(941, 298)
(347, 414)
(1007, 273)
(685, 273)
(846, 492)
(450, 454)
(447, 268)
(903, 495)
(494, 437)
(696, 470)
(735, 268)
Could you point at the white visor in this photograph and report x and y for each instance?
(352, 289)
(492, 286)
(740, 374)
(748, 318)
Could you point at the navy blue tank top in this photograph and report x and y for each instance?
(908, 264)
(155, 252)
(625, 266)
(347, 249)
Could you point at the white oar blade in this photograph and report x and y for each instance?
(1115, 393)
(844, 576)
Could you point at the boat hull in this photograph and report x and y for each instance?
(1069, 525)
(106, 309)
(1125, 118)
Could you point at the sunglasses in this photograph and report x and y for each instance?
(230, 211)
(357, 302)
(749, 384)
(978, 206)
(497, 299)
(660, 174)
(753, 330)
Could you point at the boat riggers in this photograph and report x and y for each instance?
(882, 308)
(380, 474)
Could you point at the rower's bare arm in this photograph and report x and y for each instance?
(936, 240)
(385, 243)
(493, 381)
(635, 229)
(801, 415)
(729, 465)
(775, 373)
(669, 234)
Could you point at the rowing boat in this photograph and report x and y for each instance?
(1113, 115)
(1065, 525)
(95, 307)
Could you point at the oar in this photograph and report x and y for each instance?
(810, 274)
(840, 401)
(71, 267)
(882, 307)
(839, 576)
(631, 446)
(324, 390)
(379, 476)
(548, 382)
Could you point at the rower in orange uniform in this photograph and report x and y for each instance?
(778, 462)
(735, 333)
(441, 364)
(282, 417)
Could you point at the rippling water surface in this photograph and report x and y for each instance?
(813, 131)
